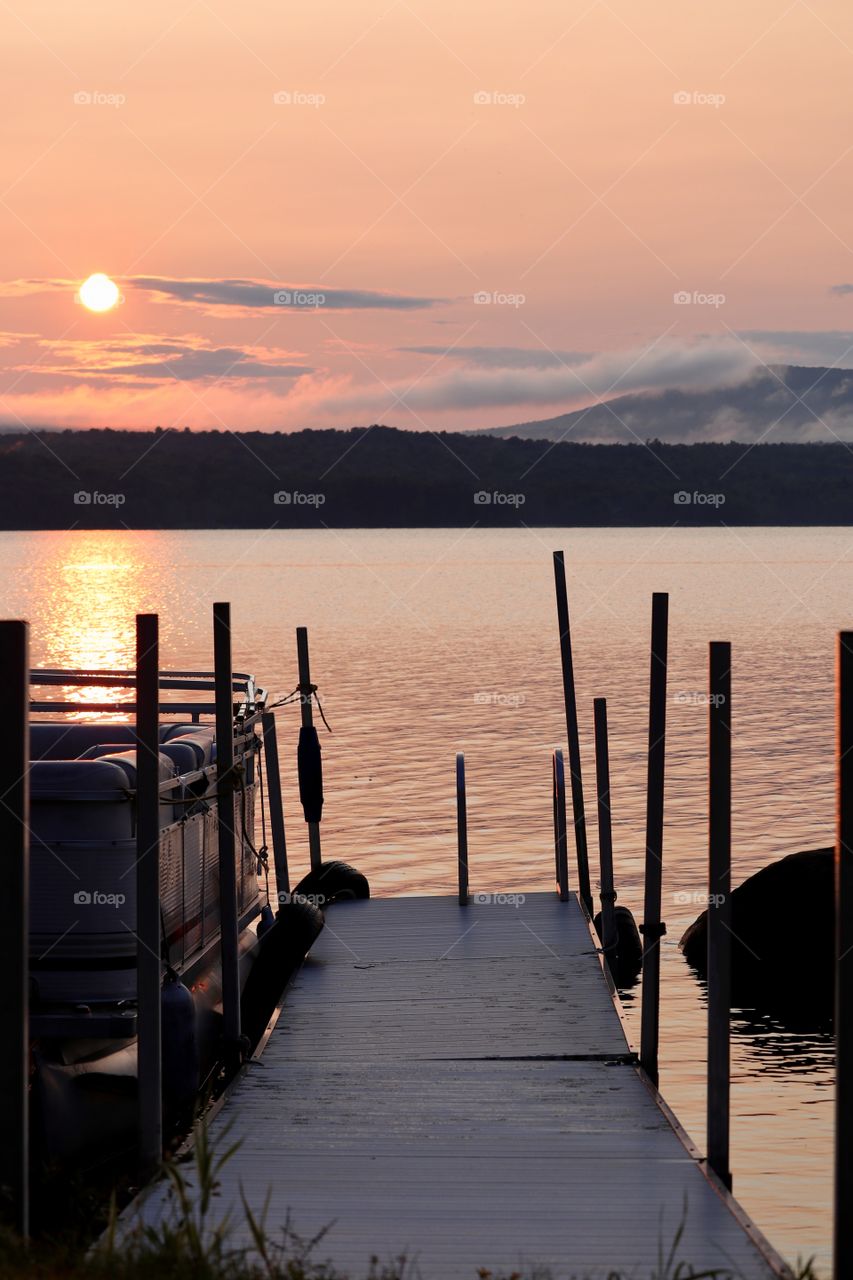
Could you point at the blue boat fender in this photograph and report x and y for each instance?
(180, 1045)
(267, 920)
(310, 765)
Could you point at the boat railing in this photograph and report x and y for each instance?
(246, 711)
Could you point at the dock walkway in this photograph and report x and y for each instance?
(454, 1084)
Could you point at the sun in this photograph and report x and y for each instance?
(99, 292)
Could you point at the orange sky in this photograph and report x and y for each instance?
(623, 154)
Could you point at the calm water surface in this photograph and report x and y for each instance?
(425, 642)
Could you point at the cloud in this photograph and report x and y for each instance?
(703, 363)
(504, 357)
(213, 362)
(823, 346)
(841, 289)
(243, 294)
(255, 294)
(146, 359)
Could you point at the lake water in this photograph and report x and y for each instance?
(426, 642)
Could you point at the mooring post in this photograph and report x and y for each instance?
(653, 927)
(306, 694)
(225, 794)
(149, 969)
(462, 829)
(561, 846)
(605, 830)
(843, 1192)
(719, 909)
(279, 842)
(572, 729)
(14, 922)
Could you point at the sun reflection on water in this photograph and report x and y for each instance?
(90, 622)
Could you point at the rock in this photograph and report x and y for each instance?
(783, 944)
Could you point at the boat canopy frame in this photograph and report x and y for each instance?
(246, 712)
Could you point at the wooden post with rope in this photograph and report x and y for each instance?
(307, 741)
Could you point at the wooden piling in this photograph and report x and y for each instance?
(226, 782)
(461, 830)
(605, 831)
(843, 1190)
(307, 722)
(277, 832)
(14, 921)
(719, 910)
(561, 849)
(149, 967)
(569, 699)
(653, 927)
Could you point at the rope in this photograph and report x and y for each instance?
(265, 863)
(300, 694)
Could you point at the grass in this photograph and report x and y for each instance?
(189, 1243)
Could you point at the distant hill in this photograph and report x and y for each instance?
(786, 403)
(381, 477)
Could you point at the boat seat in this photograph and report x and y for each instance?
(63, 741)
(199, 737)
(126, 760)
(80, 800)
(182, 754)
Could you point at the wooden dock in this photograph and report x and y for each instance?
(453, 1083)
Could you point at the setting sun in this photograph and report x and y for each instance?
(99, 292)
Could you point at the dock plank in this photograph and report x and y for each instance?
(454, 1084)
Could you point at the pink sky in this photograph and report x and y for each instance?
(624, 154)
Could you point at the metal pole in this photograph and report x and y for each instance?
(462, 829)
(609, 937)
(14, 921)
(719, 909)
(307, 722)
(572, 729)
(653, 927)
(149, 974)
(222, 666)
(279, 844)
(843, 1222)
(561, 845)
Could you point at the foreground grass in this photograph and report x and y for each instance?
(188, 1245)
